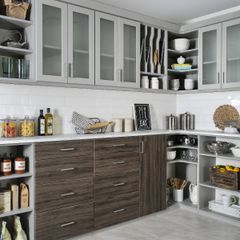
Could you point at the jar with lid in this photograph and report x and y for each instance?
(6, 166)
(26, 127)
(1, 128)
(20, 165)
(10, 128)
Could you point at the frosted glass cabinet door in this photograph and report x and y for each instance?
(52, 41)
(210, 57)
(231, 53)
(106, 49)
(129, 53)
(80, 45)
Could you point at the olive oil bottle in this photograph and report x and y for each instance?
(41, 124)
(48, 123)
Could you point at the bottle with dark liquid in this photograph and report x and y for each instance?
(48, 123)
(41, 124)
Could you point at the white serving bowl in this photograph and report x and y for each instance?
(180, 44)
(236, 151)
(171, 155)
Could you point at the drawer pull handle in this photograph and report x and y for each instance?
(119, 210)
(67, 169)
(119, 184)
(119, 145)
(67, 149)
(119, 162)
(67, 224)
(67, 194)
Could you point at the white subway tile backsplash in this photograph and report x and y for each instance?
(19, 100)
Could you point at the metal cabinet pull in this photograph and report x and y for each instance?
(119, 162)
(119, 145)
(67, 224)
(67, 169)
(67, 194)
(141, 147)
(223, 77)
(218, 80)
(67, 149)
(121, 75)
(119, 210)
(119, 184)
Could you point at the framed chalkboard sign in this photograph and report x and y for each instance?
(142, 116)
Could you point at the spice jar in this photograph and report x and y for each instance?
(10, 128)
(26, 127)
(20, 165)
(6, 167)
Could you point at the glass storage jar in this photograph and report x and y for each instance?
(1, 128)
(27, 127)
(10, 128)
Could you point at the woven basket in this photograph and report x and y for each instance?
(16, 9)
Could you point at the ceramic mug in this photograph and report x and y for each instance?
(228, 200)
(145, 82)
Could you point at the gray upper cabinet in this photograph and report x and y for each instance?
(231, 54)
(65, 43)
(117, 51)
(210, 57)
(219, 55)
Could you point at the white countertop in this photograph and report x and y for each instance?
(67, 137)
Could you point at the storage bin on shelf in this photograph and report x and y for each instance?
(224, 178)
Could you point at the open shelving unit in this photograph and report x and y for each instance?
(26, 214)
(190, 55)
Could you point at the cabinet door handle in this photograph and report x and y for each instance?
(141, 147)
(223, 77)
(67, 194)
(121, 75)
(119, 162)
(67, 149)
(119, 210)
(67, 224)
(65, 70)
(69, 70)
(119, 184)
(67, 169)
(119, 145)
(218, 78)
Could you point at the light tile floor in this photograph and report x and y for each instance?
(176, 224)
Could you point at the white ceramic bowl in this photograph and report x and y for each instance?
(236, 151)
(180, 44)
(171, 155)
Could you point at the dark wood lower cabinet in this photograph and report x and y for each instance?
(86, 185)
(153, 174)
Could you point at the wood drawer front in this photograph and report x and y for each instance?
(124, 209)
(64, 223)
(68, 193)
(116, 166)
(65, 149)
(61, 169)
(117, 147)
(107, 190)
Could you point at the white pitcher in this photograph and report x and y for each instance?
(193, 193)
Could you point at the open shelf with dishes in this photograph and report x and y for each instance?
(182, 163)
(16, 47)
(182, 66)
(17, 187)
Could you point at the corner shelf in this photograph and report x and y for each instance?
(183, 146)
(16, 212)
(12, 23)
(229, 156)
(189, 52)
(153, 74)
(209, 185)
(194, 70)
(181, 161)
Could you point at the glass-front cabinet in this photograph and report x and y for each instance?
(117, 51)
(210, 57)
(231, 54)
(65, 43)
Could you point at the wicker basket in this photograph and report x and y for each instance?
(229, 180)
(16, 9)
